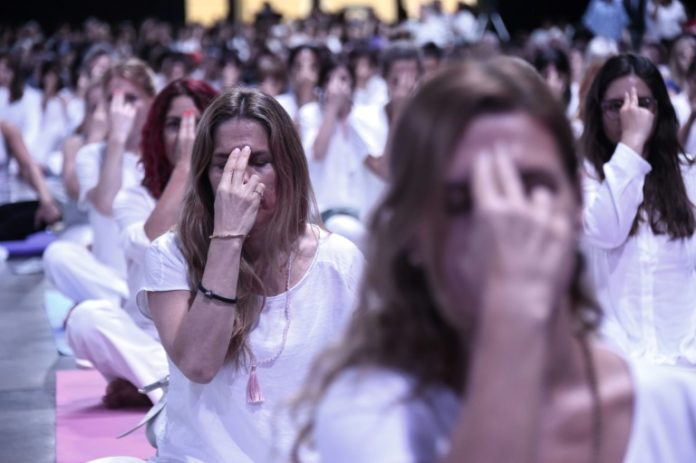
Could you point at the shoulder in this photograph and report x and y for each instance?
(372, 415)
(339, 250)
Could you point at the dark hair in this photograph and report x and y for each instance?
(330, 65)
(16, 87)
(270, 66)
(665, 202)
(364, 50)
(47, 66)
(319, 53)
(431, 50)
(157, 167)
(400, 51)
(557, 58)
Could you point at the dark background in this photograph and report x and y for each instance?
(517, 14)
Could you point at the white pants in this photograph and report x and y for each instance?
(107, 336)
(77, 274)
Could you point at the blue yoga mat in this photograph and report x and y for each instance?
(57, 307)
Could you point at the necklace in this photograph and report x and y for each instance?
(254, 394)
(593, 385)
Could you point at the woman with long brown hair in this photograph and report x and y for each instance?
(474, 338)
(640, 213)
(246, 290)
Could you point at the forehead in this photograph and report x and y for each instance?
(403, 66)
(117, 83)
(530, 145)
(236, 133)
(618, 87)
(180, 104)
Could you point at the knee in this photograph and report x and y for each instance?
(57, 258)
(86, 319)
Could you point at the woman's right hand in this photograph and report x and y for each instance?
(238, 197)
(185, 138)
(521, 248)
(636, 123)
(121, 117)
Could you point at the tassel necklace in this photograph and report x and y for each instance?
(254, 394)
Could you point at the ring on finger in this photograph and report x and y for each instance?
(259, 192)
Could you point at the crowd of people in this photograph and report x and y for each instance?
(340, 240)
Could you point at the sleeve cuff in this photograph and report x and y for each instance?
(629, 161)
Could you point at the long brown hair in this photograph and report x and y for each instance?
(666, 204)
(294, 209)
(400, 325)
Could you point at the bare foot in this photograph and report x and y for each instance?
(122, 394)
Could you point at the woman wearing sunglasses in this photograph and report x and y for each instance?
(639, 213)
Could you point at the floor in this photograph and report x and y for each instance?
(28, 360)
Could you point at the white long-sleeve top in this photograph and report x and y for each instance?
(646, 283)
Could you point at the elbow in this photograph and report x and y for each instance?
(196, 370)
(100, 204)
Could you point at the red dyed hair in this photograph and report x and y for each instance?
(158, 169)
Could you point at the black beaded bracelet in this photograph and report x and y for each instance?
(211, 295)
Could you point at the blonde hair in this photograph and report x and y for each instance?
(294, 209)
(133, 70)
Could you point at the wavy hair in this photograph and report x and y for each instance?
(294, 210)
(400, 324)
(157, 167)
(666, 206)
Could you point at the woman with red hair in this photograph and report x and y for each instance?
(121, 343)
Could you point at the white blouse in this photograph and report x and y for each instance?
(213, 422)
(371, 416)
(646, 283)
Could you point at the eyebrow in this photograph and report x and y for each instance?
(224, 154)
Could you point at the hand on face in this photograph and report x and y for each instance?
(636, 122)
(238, 196)
(517, 243)
(122, 117)
(186, 137)
(338, 93)
(405, 85)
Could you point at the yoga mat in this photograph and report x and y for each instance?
(57, 307)
(32, 245)
(85, 430)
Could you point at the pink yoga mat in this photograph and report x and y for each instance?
(85, 430)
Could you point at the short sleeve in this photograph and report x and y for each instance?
(165, 270)
(132, 207)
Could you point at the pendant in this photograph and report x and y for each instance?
(254, 395)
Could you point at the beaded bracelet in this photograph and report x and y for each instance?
(226, 236)
(211, 295)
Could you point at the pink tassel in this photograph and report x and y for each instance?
(254, 395)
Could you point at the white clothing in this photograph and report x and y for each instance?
(341, 179)
(690, 146)
(375, 92)
(668, 22)
(24, 113)
(289, 104)
(213, 422)
(119, 341)
(78, 275)
(682, 107)
(646, 283)
(370, 416)
(103, 333)
(54, 129)
(5, 191)
(88, 162)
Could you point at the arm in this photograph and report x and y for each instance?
(612, 204)
(48, 212)
(197, 338)
(168, 206)
(68, 172)
(111, 172)
(337, 92)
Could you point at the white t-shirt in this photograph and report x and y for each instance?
(132, 207)
(369, 416)
(341, 179)
(668, 21)
(646, 283)
(213, 422)
(289, 104)
(89, 160)
(25, 114)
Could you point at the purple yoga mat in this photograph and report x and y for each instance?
(33, 245)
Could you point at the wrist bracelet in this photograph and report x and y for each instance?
(211, 295)
(226, 236)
